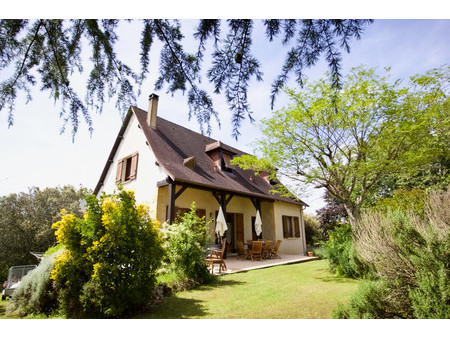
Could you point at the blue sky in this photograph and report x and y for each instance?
(35, 154)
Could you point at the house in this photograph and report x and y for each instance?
(169, 166)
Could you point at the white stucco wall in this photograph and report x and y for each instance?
(148, 173)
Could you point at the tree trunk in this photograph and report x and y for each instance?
(354, 213)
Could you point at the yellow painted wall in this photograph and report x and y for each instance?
(289, 245)
(271, 215)
(205, 200)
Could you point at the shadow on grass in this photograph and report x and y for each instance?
(3, 308)
(334, 278)
(218, 283)
(174, 307)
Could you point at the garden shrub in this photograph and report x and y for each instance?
(403, 199)
(312, 230)
(185, 243)
(370, 301)
(35, 293)
(411, 254)
(110, 258)
(341, 253)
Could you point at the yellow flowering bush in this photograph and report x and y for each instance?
(110, 258)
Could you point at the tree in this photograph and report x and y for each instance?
(50, 51)
(332, 214)
(347, 141)
(26, 220)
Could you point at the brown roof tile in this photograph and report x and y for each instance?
(172, 144)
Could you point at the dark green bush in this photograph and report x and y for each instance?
(341, 253)
(313, 231)
(35, 293)
(371, 301)
(185, 244)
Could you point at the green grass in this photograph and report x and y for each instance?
(306, 290)
(3, 314)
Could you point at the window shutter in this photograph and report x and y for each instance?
(134, 162)
(119, 171)
(201, 213)
(297, 227)
(285, 230)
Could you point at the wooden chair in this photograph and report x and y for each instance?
(216, 257)
(241, 250)
(256, 252)
(274, 251)
(267, 249)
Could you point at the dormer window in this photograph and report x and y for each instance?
(221, 155)
(226, 166)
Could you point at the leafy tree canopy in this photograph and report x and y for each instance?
(348, 141)
(26, 220)
(331, 215)
(47, 53)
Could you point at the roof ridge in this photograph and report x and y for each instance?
(194, 132)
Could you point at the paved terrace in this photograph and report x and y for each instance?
(235, 264)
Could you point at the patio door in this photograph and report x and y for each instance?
(235, 232)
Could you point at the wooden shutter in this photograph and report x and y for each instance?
(134, 163)
(240, 227)
(119, 171)
(297, 227)
(201, 213)
(285, 229)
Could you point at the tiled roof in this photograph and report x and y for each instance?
(172, 144)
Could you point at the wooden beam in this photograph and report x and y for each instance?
(229, 199)
(171, 202)
(179, 192)
(217, 197)
(256, 203)
(162, 183)
(216, 190)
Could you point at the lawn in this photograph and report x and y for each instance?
(3, 315)
(306, 290)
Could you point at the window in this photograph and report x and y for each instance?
(291, 227)
(226, 165)
(127, 168)
(179, 212)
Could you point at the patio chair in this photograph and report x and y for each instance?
(274, 251)
(216, 257)
(241, 250)
(267, 249)
(256, 252)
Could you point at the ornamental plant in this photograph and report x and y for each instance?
(410, 254)
(185, 242)
(110, 258)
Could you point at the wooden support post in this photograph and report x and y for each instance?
(171, 204)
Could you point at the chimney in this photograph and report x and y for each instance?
(152, 110)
